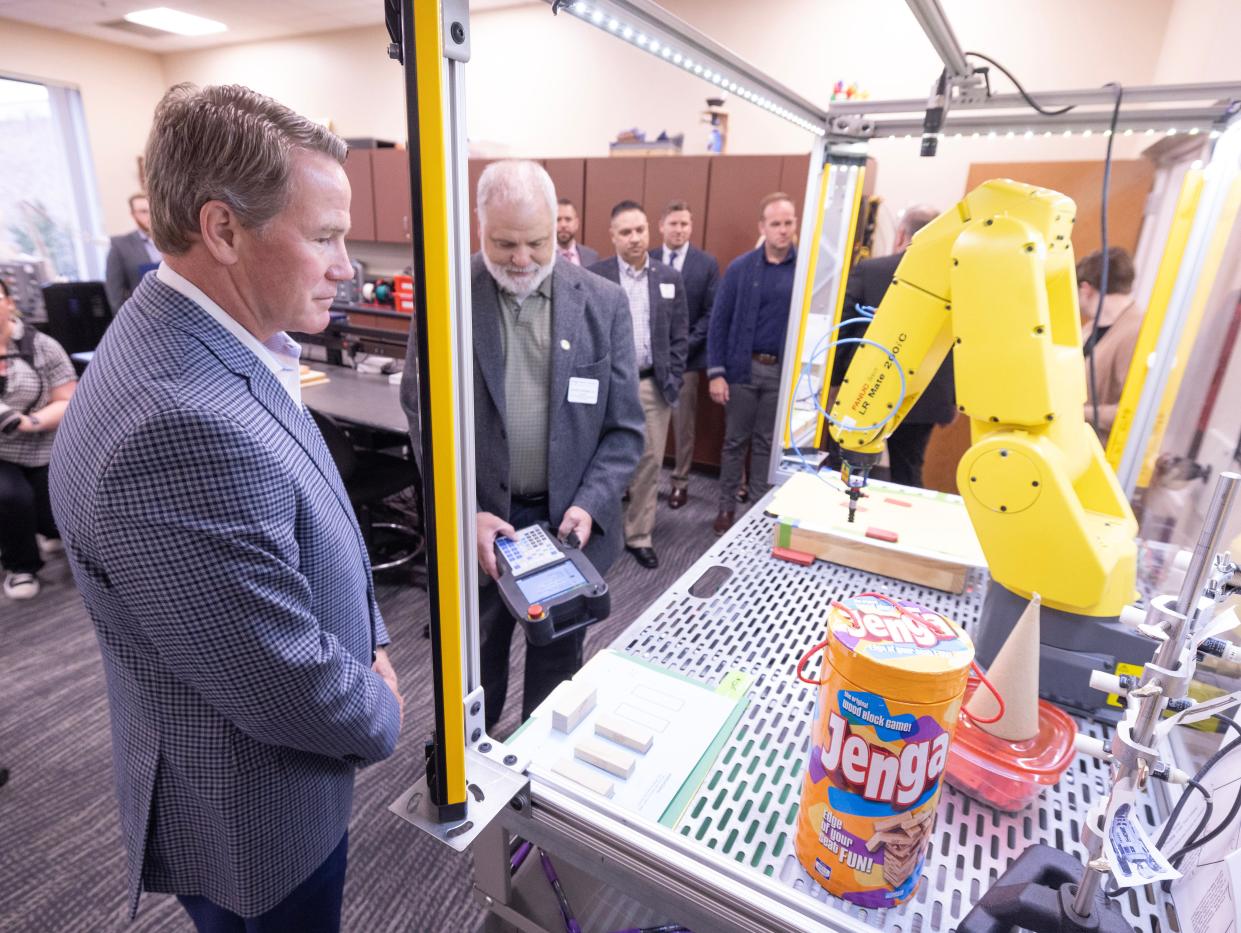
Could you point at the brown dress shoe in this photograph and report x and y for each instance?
(677, 498)
(723, 522)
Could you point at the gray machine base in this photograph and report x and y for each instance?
(1072, 646)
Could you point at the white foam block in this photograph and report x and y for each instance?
(624, 732)
(610, 758)
(591, 780)
(574, 703)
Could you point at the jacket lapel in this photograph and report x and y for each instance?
(180, 312)
(485, 322)
(568, 313)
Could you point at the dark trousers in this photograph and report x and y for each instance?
(24, 510)
(750, 415)
(546, 666)
(313, 907)
(907, 452)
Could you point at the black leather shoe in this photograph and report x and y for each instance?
(644, 556)
(677, 498)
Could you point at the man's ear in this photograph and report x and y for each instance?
(220, 229)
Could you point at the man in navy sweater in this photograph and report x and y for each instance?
(744, 343)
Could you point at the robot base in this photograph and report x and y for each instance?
(1072, 646)
(1036, 893)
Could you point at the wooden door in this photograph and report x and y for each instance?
(608, 181)
(569, 177)
(737, 184)
(362, 202)
(793, 172)
(392, 195)
(677, 178)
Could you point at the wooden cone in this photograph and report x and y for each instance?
(1014, 673)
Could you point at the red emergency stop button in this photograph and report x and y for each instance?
(535, 612)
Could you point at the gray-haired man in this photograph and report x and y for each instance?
(557, 422)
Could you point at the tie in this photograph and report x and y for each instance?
(672, 258)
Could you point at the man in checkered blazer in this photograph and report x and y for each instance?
(211, 536)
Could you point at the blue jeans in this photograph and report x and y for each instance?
(312, 907)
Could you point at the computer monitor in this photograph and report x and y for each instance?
(77, 314)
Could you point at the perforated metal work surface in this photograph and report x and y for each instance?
(761, 620)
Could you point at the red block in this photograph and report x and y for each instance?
(792, 556)
(882, 534)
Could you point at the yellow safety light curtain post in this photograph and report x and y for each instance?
(421, 53)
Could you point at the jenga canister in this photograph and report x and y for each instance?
(892, 682)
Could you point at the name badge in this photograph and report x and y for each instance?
(583, 391)
(668, 289)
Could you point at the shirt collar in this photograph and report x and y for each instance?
(279, 353)
(544, 289)
(790, 257)
(629, 270)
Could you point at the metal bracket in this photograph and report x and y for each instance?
(456, 25)
(491, 787)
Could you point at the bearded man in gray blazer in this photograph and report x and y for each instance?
(557, 422)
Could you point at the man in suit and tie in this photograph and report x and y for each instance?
(867, 284)
(131, 256)
(212, 539)
(701, 273)
(557, 422)
(657, 307)
(568, 224)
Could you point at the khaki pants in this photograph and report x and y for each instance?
(644, 487)
(683, 427)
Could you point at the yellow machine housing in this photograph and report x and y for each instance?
(993, 279)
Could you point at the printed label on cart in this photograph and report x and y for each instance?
(1133, 857)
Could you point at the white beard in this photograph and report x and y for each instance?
(522, 286)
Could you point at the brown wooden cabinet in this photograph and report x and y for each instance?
(362, 203)
(390, 173)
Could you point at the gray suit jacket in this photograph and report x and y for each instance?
(669, 316)
(219, 558)
(594, 448)
(588, 256)
(126, 257)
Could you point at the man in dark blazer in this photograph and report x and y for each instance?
(868, 283)
(131, 256)
(657, 306)
(701, 273)
(568, 224)
(212, 539)
(557, 424)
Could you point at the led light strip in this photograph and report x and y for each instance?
(709, 69)
(1047, 134)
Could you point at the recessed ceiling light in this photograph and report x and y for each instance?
(174, 21)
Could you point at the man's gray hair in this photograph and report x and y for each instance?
(516, 183)
(224, 143)
(916, 217)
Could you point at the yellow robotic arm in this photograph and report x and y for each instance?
(993, 280)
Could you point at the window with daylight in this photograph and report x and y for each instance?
(49, 207)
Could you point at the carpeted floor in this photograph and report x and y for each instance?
(61, 857)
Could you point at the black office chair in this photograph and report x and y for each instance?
(77, 314)
(371, 477)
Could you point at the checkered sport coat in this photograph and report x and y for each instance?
(216, 550)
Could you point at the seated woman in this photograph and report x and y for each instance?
(36, 382)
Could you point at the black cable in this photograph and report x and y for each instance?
(1230, 723)
(1020, 90)
(1093, 340)
(1193, 843)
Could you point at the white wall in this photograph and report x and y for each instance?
(544, 86)
(554, 86)
(119, 86)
